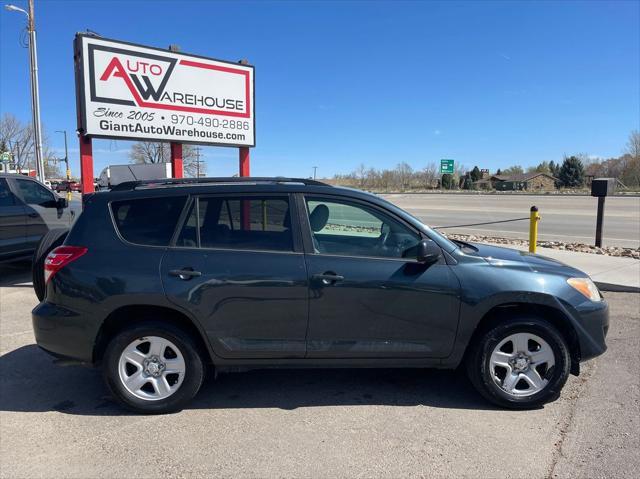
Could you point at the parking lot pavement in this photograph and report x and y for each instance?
(57, 421)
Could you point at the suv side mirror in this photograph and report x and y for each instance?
(62, 203)
(428, 251)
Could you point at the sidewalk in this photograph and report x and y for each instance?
(610, 273)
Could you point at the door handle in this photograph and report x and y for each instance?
(327, 278)
(185, 273)
(32, 215)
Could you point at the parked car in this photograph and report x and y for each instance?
(68, 186)
(28, 210)
(158, 280)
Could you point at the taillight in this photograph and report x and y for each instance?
(59, 257)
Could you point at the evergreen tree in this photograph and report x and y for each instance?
(475, 174)
(447, 181)
(571, 173)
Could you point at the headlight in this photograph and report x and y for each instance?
(586, 287)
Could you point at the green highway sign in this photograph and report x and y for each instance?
(6, 157)
(446, 166)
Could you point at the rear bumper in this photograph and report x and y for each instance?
(64, 333)
(592, 326)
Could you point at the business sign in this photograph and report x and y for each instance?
(136, 92)
(446, 167)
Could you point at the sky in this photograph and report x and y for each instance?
(339, 84)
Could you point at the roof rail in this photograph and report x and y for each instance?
(132, 185)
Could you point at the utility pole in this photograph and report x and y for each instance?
(314, 172)
(35, 94)
(197, 150)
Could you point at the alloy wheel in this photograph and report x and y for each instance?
(521, 364)
(151, 368)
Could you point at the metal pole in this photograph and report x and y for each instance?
(66, 153)
(66, 156)
(66, 161)
(600, 221)
(35, 94)
(314, 172)
(197, 161)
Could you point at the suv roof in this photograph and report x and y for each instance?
(251, 180)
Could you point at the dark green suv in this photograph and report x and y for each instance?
(157, 280)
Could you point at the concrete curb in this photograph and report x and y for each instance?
(616, 288)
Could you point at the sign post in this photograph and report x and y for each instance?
(601, 188)
(134, 92)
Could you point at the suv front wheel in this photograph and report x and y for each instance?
(520, 364)
(153, 368)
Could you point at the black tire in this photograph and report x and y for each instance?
(481, 376)
(52, 239)
(191, 382)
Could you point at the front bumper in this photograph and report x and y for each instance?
(592, 326)
(64, 333)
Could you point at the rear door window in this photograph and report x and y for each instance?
(252, 223)
(6, 197)
(148, 221)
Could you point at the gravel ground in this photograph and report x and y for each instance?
(60, 422)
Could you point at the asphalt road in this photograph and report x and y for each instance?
(60, 422)
(564, 218)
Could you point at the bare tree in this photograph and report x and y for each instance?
(160, 152)
(430, 174)
(633, 145)
(404, 172)
(51, 162)
(18, 138)
(361, 174)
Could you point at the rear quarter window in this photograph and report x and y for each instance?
(148, 221)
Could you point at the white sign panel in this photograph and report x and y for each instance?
(135, 92)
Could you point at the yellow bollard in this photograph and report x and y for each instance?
(533, 229)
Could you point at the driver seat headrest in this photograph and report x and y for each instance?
(319, 217)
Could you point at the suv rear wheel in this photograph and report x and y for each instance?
(153, 368)
(520, 364)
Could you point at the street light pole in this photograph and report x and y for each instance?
(66, 162)
(66, 153)
(314, 172)
(35, 94)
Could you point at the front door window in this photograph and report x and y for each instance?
(350, 229)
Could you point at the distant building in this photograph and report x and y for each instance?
(535, 181)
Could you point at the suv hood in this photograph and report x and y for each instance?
(506, 257)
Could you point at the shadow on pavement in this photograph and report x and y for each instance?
(16, 274)
(31, 382)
